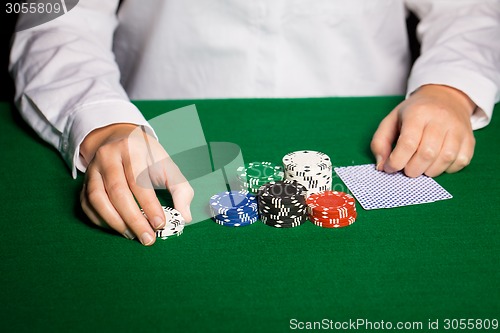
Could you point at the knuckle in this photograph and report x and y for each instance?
(102, 152)
(189, 190)
(110, 148)
(449, 156)
(408, 143)
(94, 195)
(462, 161)
(117, 190)
(428, 154)
(421, 110)
(185, 189)
(375, 144)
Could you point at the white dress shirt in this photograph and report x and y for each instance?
(79, 71)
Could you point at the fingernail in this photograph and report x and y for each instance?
(158, 223)
(147, 239)
(378, 158)
(128, 234)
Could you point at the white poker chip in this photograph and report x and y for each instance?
(174, 225)
(312, 169)
(305, 160)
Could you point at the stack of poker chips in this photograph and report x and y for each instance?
(312, 169)
(282, 204)
(253, 175)
(331, 209)
(234, 208)
(174, 225)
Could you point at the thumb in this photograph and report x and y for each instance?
(182, 195)
(178, 186)
(383, 138)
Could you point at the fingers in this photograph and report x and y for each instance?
(162, 172)
(447, 156)
(90, 211)
(96, 204)
(180, 189)
(432, 150)
(383, 138)
(429, 152)
(406, 146)
(122, 199)
(464, 155)
(436, 134)
(124, 170)
(183, 194)
(143, 190)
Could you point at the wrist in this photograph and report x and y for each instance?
(100, 136)
(443, 91)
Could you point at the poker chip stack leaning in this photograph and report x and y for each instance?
(282, 204)
(312, 169)
(234, 208)
(174, 225)
(255, 174)
(331, 209)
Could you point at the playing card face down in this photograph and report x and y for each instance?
(376, 189)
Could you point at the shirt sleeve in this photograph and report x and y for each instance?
(460, 49)
(67, 80)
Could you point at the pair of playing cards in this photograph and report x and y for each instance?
(376, 189)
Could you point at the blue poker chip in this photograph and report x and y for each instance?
(236, 222)
(251, 209)
(233, 202)
(231, 215)
(236, 217)
(234, 208)
(230, 221)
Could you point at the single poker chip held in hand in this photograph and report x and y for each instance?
(174, 225)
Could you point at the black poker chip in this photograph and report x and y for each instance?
(282, 204)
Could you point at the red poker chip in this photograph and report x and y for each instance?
(326, 225)
(331, 201)
(340, 213)
(334, 221)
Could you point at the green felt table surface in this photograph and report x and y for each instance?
(432, 261)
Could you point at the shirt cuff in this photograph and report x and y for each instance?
(478, 88)
(89, 117)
